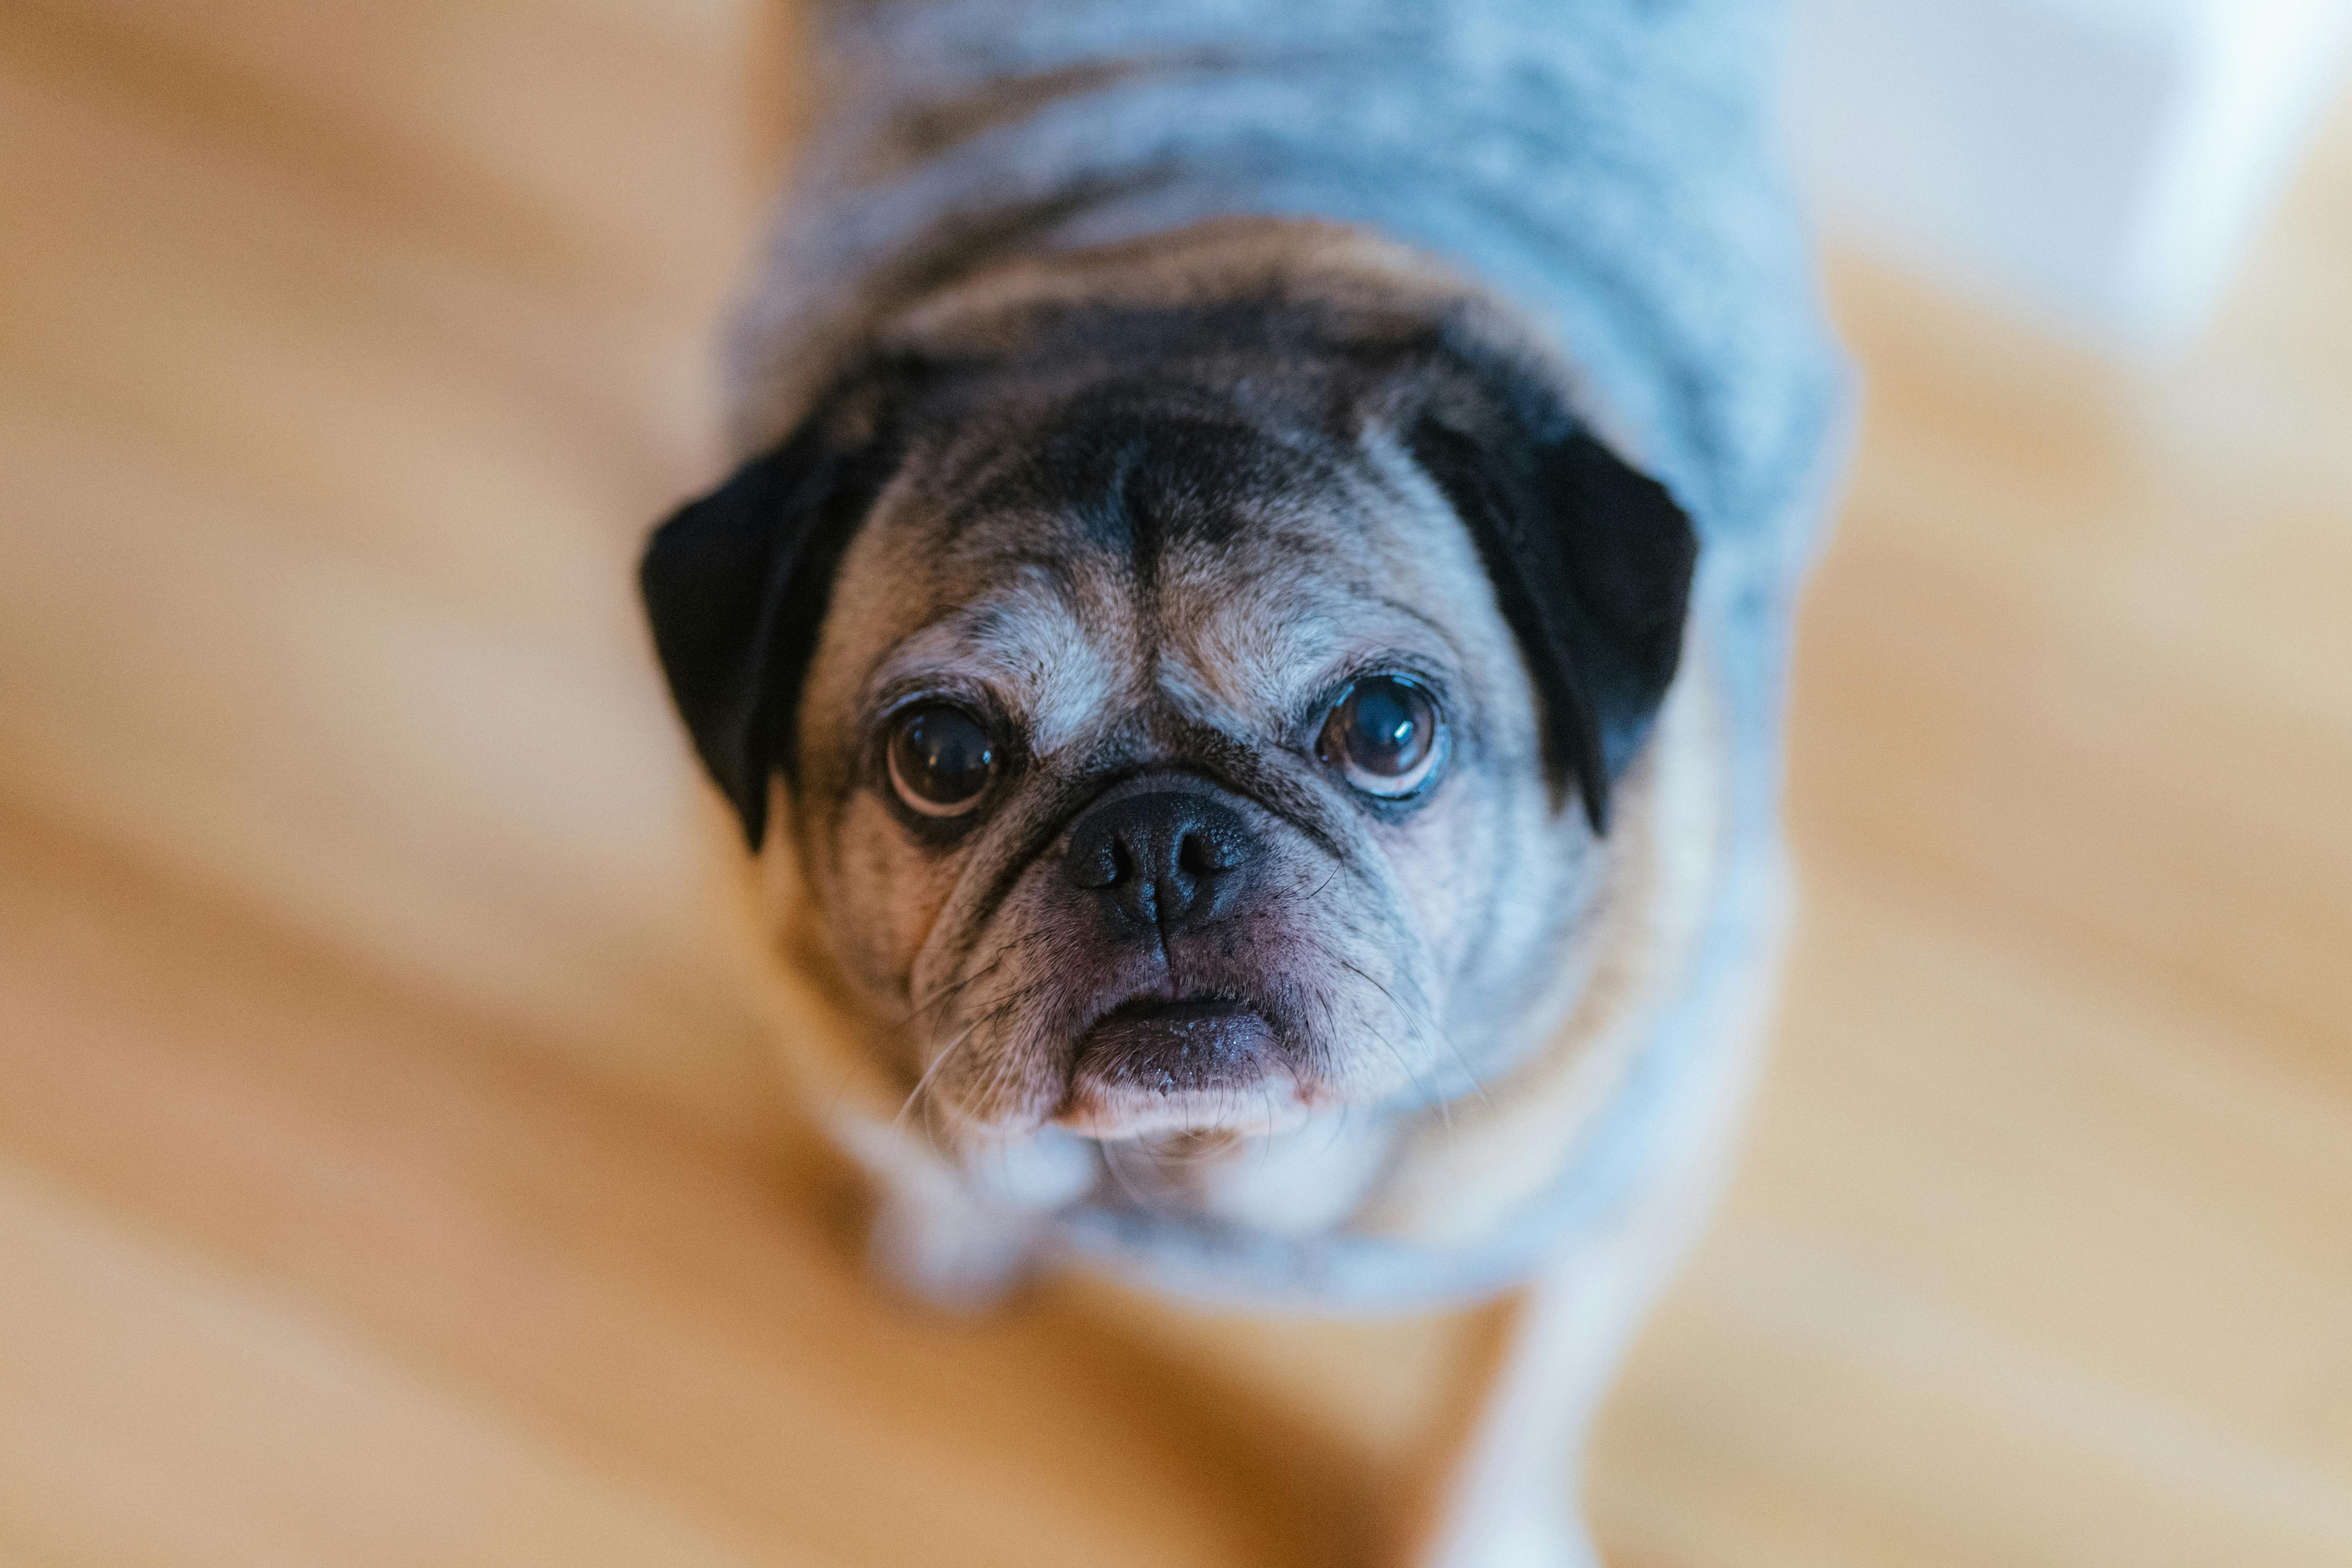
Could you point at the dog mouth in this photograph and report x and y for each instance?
(1154, 1063)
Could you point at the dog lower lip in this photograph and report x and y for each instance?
(1161, 1046)
(1172, 1010)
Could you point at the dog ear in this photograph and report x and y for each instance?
(1592, 562)
(736, 587)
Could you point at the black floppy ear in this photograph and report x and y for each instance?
(1592, 562)
(736, 585)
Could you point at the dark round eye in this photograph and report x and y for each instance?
(941, 759)
(1383, 735)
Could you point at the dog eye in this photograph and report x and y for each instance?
(941, 759)
(1383, 736)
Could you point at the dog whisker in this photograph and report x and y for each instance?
(1427, 1018)
(1429, 1098)
(1112, 1162)
(924, 1082)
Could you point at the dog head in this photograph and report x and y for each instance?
(1187, 711)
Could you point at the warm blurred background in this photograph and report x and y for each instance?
(388, 1170)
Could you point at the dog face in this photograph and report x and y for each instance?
(1188, 718)
(1160, 765)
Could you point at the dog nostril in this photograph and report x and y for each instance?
(1201, 855)
(1096, 860)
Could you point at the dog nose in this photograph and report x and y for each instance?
(1164, 859)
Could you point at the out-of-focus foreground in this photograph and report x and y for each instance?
(389, 1176)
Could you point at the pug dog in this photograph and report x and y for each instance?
(1244, 652)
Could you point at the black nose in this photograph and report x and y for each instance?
(1166, 860)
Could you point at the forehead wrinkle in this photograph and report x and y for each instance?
(1240, 655)
(1253, 651)
(1321, 568)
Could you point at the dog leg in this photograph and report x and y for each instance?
(1510, 1498)
(949, 1252)
(1505, 1492)
(963, 1237)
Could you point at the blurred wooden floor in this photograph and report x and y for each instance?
(387, 1174)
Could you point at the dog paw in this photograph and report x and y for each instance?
(951, 1257)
